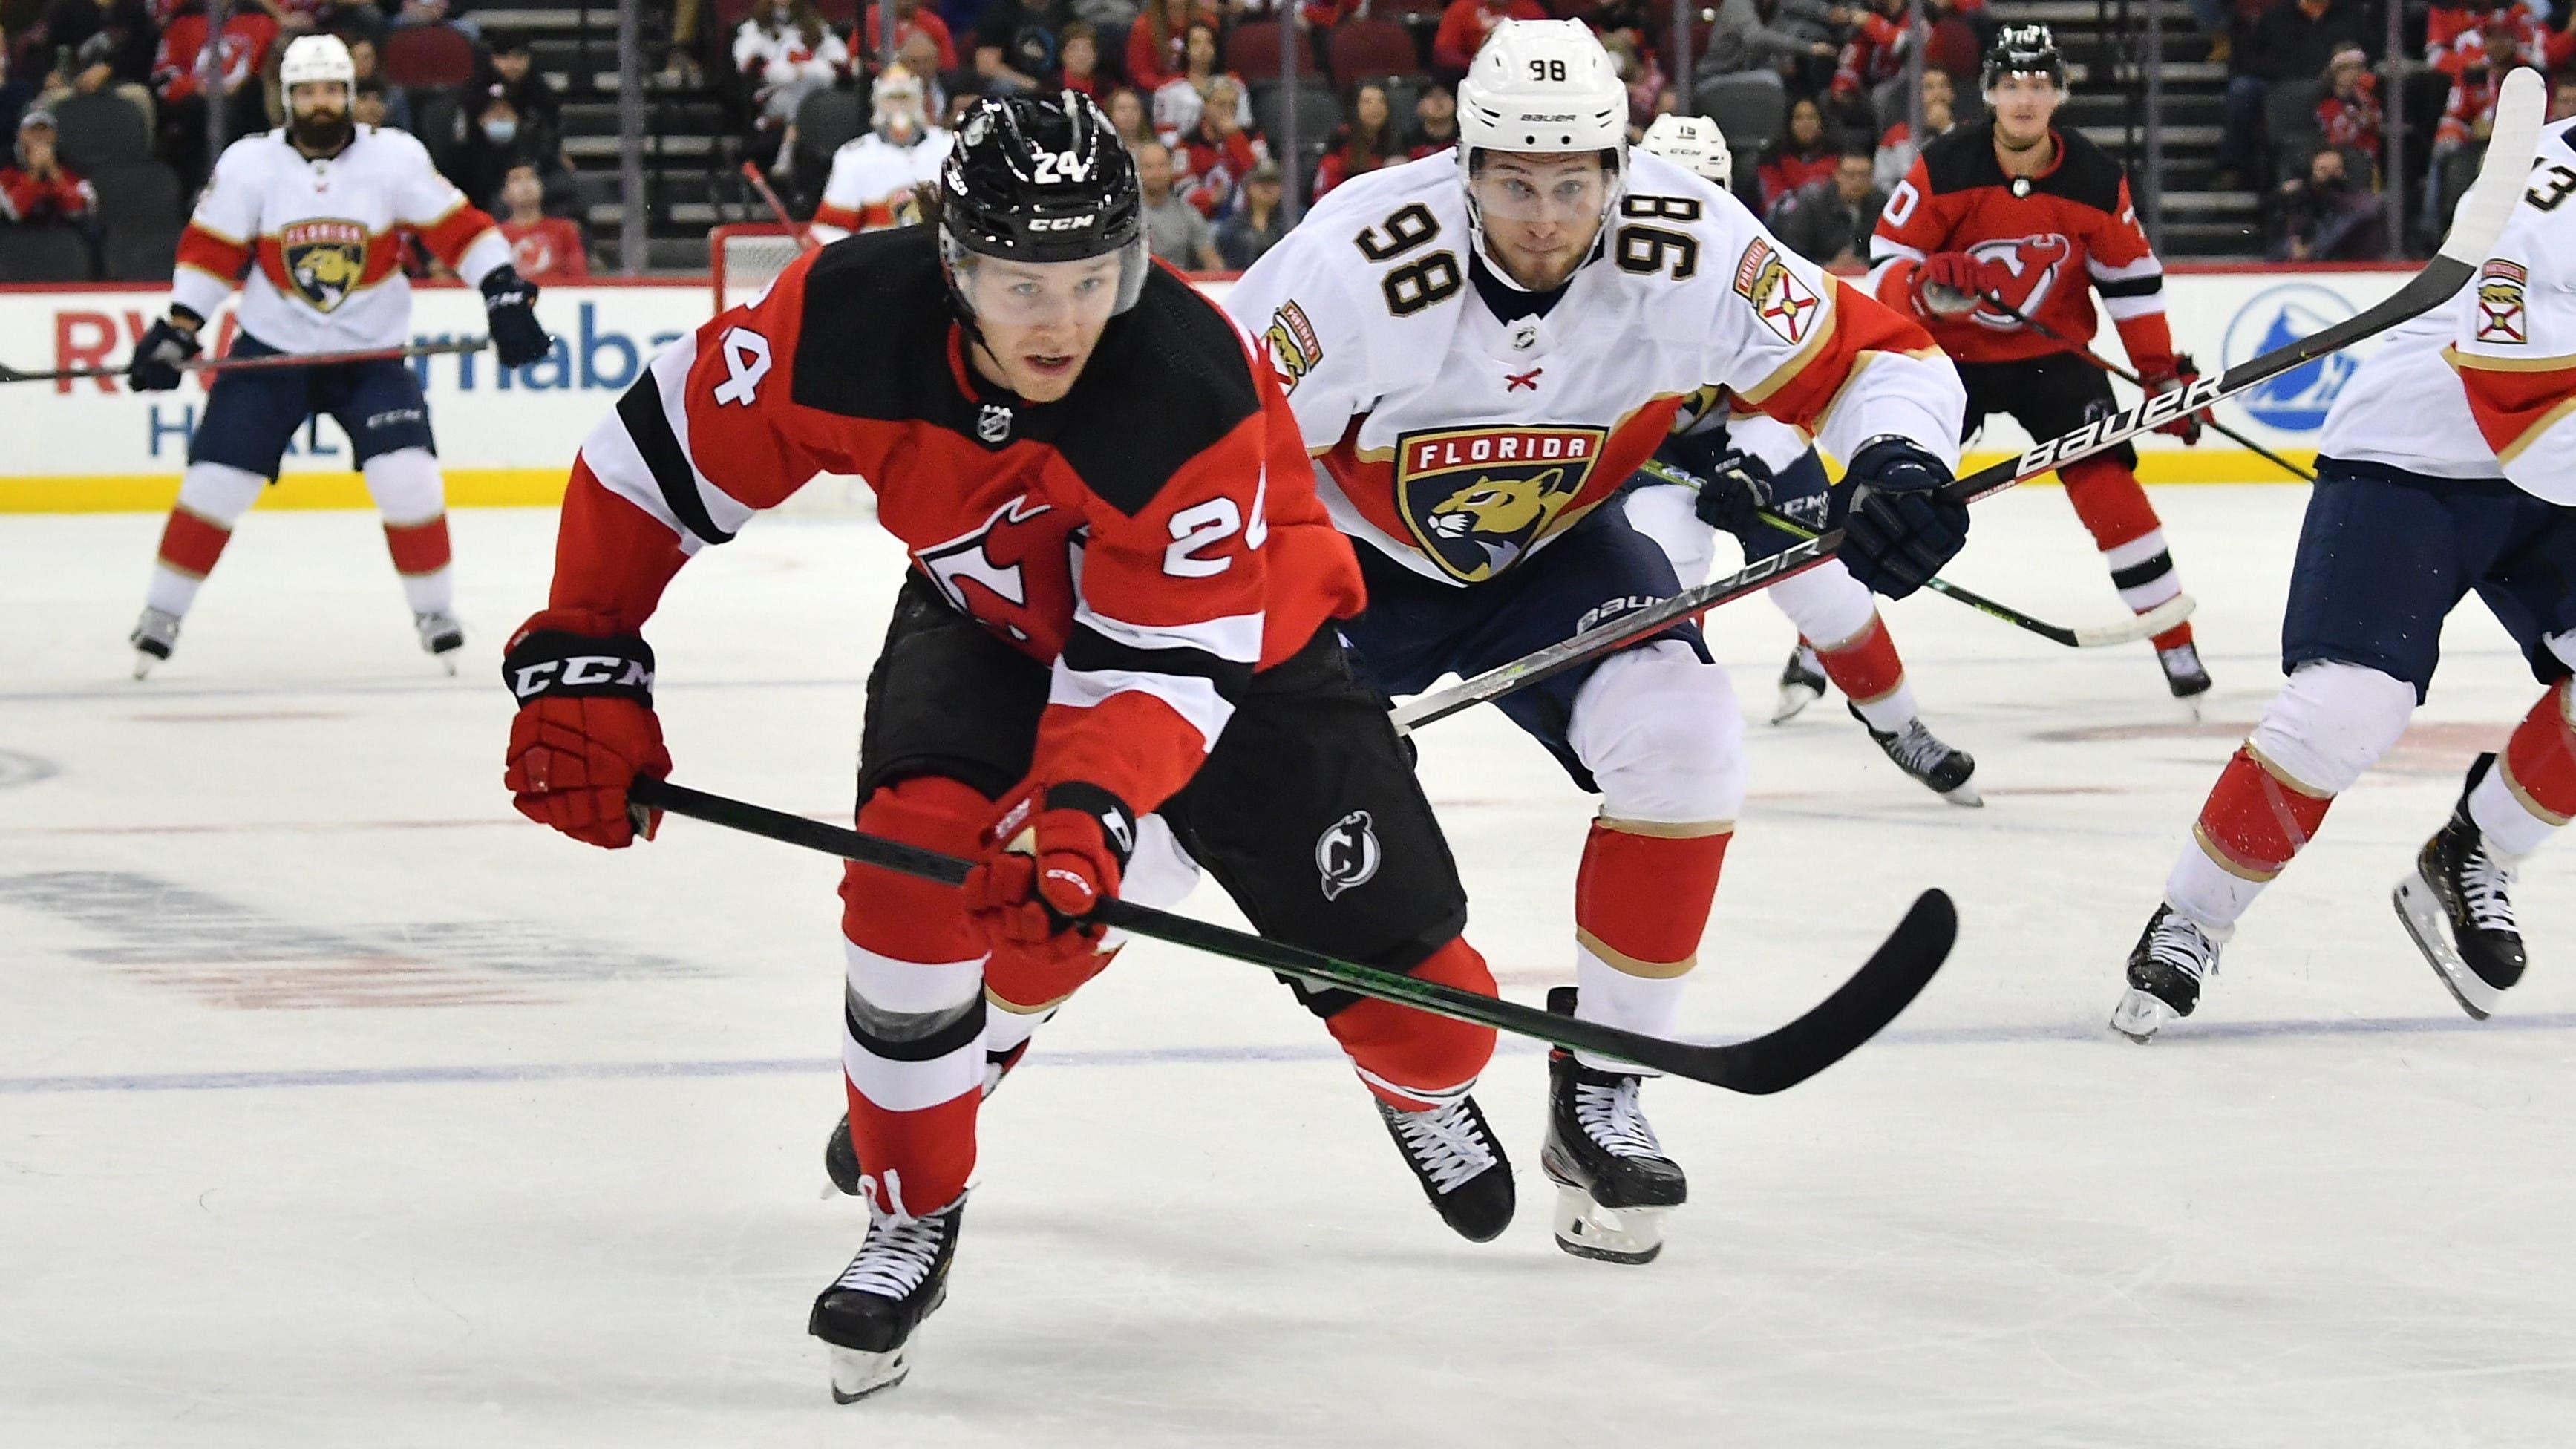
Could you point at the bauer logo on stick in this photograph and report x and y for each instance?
(326, 260)
(1346, 854)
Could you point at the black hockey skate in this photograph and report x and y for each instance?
(1460, 1164)
(2458, 905)
(868, 1314)
(2183, 673)
(841, 1156)
(1802, 683)
(440, 635)
(1949, 773)
(2172, 957)
(154, 636)
(1613, 1182)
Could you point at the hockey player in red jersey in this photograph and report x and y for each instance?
(1115, 660)
(2017, 211)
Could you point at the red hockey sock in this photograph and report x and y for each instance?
(418, 548)
(1642, 896)
(2540, 759)
(1866, 666)
(2257, 818)
(190, 543)
(2115, 510)
(918, 1161)
(1411, 1059)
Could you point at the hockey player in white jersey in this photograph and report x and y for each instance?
(1480, 347)
(309, 217)
(873, 176)
(1745, 466)
(2448, 464)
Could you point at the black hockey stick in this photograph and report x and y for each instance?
(265, 360)
(1892, 977)
(2092, 636)
(2125, 375)
(2474, 227)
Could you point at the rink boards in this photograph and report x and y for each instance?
(506, 435)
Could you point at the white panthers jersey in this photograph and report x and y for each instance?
(872, 181)
(1457, 442)
(2483, 385)
(322, 239)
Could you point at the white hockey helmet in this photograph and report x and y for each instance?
(316, 58)
(898, 100)
(1544, 86)
(1695, 143)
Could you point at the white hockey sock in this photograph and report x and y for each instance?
(1606, 994)
(1891, 711)
(2511, 830)
(411, 496)
(2208, 892)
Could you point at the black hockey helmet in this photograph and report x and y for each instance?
(2023, 50)
(1042, 178)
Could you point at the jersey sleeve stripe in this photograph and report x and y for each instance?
(1235, 638)
(654, 422)
(1883, 251)
(1196, 700)
(2123, 309)
(1090, 653)
(619, 466)
(2144, 267)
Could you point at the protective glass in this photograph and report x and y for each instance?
(1573, 189)
(1085, 293)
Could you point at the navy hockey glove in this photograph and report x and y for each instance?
(1735, 487)
(1898, 530)
(155, 364)
(510, 305)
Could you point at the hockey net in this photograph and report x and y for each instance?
(745, 258)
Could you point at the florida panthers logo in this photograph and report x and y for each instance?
(1478, 498)
(325, 259)
(1009, 572)
(2037, 264)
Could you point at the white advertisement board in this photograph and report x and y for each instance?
(506, 437)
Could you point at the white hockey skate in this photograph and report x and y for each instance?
(154, 636)
(1802, 683)
(440, 635)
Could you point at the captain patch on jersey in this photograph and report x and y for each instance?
(1477, 498)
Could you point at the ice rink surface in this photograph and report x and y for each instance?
(339, 1105)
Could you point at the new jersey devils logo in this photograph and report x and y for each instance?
(1010, 571)
(1346, 854)
(2035, 263)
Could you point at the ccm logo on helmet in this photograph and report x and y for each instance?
(1062, 223)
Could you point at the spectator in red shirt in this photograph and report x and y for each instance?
(2349, 114)
(1872, 60)
(545, 249)
(1081, 58)
(908, 17)
(186, 83)
(1435, 121)
(37, 189)
(1464, 26)
(1218, 153)
(1365, 142)
(1157, 43)
(1804, 153)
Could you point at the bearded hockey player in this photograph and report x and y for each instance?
(1747, 466)
(873, 177)
(314, 213)
(1115, 656)
(1481, 346)
(2014, 211)
(2448, 464)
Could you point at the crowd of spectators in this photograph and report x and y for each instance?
(70, 69)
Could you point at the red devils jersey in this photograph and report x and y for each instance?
(1154, 536)
(2069, 232)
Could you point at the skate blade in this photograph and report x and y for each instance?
(857, 1374)
(1793, 702)
(143, 663)
(1586, 1229)
(1964, 794)
(447, 661)
(2430, 926)
(2140, 1015)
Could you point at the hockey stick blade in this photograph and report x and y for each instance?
(2148, 625)
(2474, 227)
(1893, 976)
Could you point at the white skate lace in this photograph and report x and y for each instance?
(159, 625)
(1916, 749)
(898, 1254)
(1610, 1117)
(1445, 1143)
(2484, 883)
(2180, 944)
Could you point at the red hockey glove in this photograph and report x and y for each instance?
(1951, 284)
(1052, 855)
(585, 728)
(2180, 372)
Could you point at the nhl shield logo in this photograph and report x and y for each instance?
(993, 424)
(326, 260)
(1477, 499)
(1347, 854)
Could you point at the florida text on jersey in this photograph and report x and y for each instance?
(1152, 535)
(2063, 234)
(1457, 440)
(322, 239)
